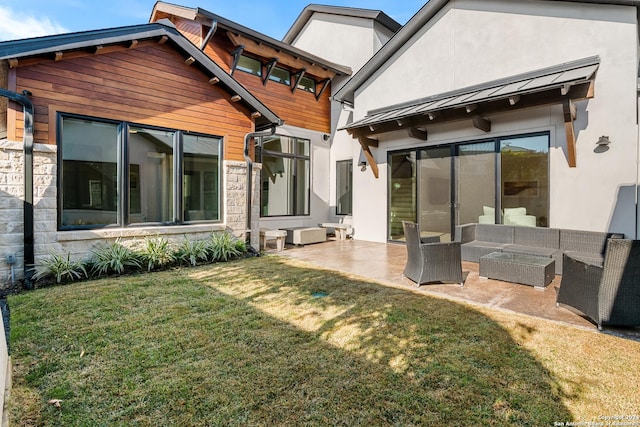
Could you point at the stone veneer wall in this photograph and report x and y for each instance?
(79, 243)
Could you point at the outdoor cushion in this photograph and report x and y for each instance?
(494, 233)
(539, 237)
(530, 250)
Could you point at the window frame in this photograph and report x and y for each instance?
(349, 164)
(308, 89)
(257, 72)
(286, 82)
(294, 157)
(123, 177)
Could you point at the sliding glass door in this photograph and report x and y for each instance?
(402, 192)
(497, 181)
(475, 189)
(434, 188)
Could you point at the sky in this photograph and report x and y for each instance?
(33, 18)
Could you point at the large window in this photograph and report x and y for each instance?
(344, 178)
(285, 175)
(120, 174)
(498, 180)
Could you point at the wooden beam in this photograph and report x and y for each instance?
(370, 159)
(163, 39)
(369, 142)
(284, 58)
(256, 114)
(190, 60)
(417, 133)
(214, 80)
(236, 98)
(433, 115)
(59, 56)
(569, 112)
(13, 62)
(513, 100)
(133, 44)
(471, 107)
(591, 90)
(481, 123)
(98, 49)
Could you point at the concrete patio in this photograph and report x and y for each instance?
(385, 263)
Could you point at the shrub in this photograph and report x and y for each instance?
(192, 251)
(157, 252)
(114, 258)
(223, 247)
(60, 268)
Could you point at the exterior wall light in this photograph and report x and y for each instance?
(603, 141)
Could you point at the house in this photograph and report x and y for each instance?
(150, 130)
(129, 132)
(294, 77)
(474, 111)
(480, 109)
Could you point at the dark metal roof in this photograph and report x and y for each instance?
(415, 24)
(193, 13)
(562, 77)
(33, 47)
(307, 13)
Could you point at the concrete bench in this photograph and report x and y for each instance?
(267, 234)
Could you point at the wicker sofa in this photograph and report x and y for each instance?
(481, 239)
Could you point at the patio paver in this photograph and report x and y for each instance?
(385, 263)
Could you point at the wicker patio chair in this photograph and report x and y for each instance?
(431, 262)
(606, 292)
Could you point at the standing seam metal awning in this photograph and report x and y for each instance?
(560, 84)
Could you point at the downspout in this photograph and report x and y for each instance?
(247, 140)
(27, 138)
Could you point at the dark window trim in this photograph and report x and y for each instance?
(122, 214)
(350, 163)
(453, 147)
(293, 156)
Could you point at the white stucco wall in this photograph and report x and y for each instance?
(344, 40)
(349, 41)
(471, 42)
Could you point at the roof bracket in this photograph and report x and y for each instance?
(298, 76)
(365, 144)
(236, 53)
(325, 83)
(481, 123)
(270, 66)
(417, 133)
(569, 112)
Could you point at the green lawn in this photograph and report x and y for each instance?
(271, 341)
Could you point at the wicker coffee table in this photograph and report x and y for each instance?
(517, 268)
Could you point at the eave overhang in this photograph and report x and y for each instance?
(240, 33)
(561, 84)
(19, 52)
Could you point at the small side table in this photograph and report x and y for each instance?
(267, 234)
(340, 228)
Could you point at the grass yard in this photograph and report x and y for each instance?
(271, 341)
